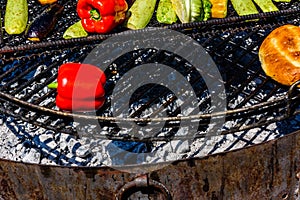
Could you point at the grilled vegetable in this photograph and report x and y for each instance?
(101, 16)
(41, 26)
(192, 10)
(16, 16)
(195, 7)
(244, 7)
(219, 8)
(44, 2)
(140, 14)
(79, 87)
(266, 5)
(206, 9)
(182, 10)
(282, 0)
(165, 12)
(75, 31)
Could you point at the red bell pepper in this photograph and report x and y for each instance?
(101, 16)
(79, 87)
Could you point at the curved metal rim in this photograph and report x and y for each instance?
(264, 105)
(247, 109)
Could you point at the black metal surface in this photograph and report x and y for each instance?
(253, 98)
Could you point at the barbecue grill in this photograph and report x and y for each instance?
(261, 116)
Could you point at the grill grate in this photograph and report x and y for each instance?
(254, 100)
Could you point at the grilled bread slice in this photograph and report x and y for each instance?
(279, 54)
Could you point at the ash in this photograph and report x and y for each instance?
(20, 141)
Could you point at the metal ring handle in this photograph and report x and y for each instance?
(142, 183)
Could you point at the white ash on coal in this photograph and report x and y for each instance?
(22, 142)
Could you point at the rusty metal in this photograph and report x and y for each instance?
(266, 171)
(144, 184)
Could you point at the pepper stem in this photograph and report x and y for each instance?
(53, 85)
(95, 14)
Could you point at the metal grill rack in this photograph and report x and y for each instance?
(254, 101)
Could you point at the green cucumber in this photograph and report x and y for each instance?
(244, 7)
(165, 13)
(266, 5)
(282, 0)
(16, 16)
(140, 14)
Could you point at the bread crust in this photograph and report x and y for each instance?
(279, 54)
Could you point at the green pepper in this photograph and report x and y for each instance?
(80, 87)
(16, 16)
